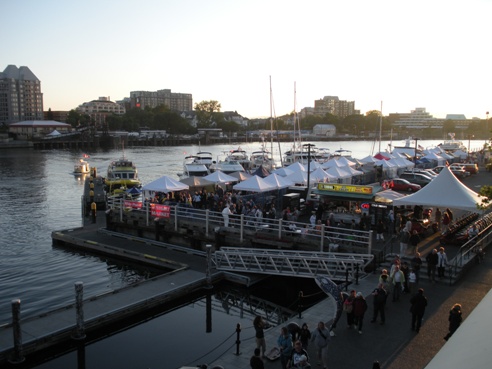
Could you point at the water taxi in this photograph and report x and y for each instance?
(81, 167)
(122, 173)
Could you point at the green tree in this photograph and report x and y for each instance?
(206, 112)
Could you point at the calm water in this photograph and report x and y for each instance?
(39, 195)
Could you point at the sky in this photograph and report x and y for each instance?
(399, 54)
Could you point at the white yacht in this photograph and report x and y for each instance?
(262, 158)
(239, 156)
(303, 155)
(81, 167)
(197, 165)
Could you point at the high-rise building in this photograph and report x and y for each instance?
(335, 106)
(152, 99)
(20, 95)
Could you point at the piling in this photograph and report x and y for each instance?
(79, 331)
(17, 355)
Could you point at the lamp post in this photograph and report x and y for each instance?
(308, 166)
(415, 151)
(468, 156)
(487, 126)
(207, 272)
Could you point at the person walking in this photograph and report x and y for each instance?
(321, 336)
(432, 260)
(419, 303)
(348, 307)
(455, 318)
(360, 307)
(380, 231)
(380, 296)
(404, 239)
(416, 264)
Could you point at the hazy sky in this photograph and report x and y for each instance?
(408, 54)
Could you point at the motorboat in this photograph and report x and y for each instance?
(227, 166)
(81, 167)
(262, 158)
(303, 155)
(452, 145)
(239, 156)
(197, 165)
(122, 173)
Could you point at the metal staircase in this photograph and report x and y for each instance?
(334, 265)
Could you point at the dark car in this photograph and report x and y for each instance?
(399, 184)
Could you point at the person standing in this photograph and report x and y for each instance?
(259, 324)
(416, 264)
(432, 260)
(226, 212)
(419, 303)
(255, 362)
(348, 307)
(398, 278)
(404, 239)
(305, 335)
(414, 241)
(379, 302)
(284, 342)
(299, 358)
(380, 230)
(455, 318)
(321, 336)
(437, 218)
(442, 261)
(360, 307)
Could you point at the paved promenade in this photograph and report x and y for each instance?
(394, 344)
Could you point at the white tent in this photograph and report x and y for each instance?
(283, 172)
(460, 154)
(352, 171)
(220, 177)
(388, 196)
(165, 184)
(340, 173)
(436, 157)
(278, 181)
(54, 133)
(298, 177)
(254, 184)
(345, 162)
(313, 165)
(445, 191)
(368, 159)
(297, 167)
(319, 175)
(332, 163)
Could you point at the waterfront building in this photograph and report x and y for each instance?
(152, 99)
(100, 108)
(20, 95)
(29, 129)
(333, 105)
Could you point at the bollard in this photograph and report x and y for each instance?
(238, 336)
(17, 356)
(208, 272)
(91, 196)
(299, 305)
(79, 331)
(93, 211)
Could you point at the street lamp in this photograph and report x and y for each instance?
(308, 166)
(415, 151)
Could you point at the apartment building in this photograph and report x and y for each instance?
(99, 109)
(152, 99)
(335, 106)
(20, 95)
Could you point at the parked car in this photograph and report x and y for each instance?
(459, 172)
(399, 184)
(418, 178)
(471, 168)
(428, 172)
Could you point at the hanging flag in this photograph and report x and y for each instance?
(85, 156)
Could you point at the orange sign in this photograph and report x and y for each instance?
(364, 190)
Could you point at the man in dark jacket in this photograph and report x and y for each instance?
(432, 259)
(419, 303)
(380, 296)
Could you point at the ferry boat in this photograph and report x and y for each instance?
(122, 173)
(81, 167)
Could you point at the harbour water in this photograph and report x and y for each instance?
(39, 194)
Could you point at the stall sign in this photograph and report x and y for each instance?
(365, 206)
(160, 211)
(379, 206)
(364, 190)
(132, 204)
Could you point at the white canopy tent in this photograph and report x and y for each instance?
(445, 191)
(278, 181)
(319, 175)
(254, 184)
(297, 167)
(283, 172)
(220, 177)
(164, 184)
(298, 177)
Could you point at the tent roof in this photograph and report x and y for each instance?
(338, 172)
(165, 184)
(220, 177)
(320, 175)
(388, 196)
(261, 172)
(195, 181)
(283, 172)
(241, 176)
(255, 184)
(297, 167)
(456, 195)
(278, 181)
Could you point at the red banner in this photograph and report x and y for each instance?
(160, 211)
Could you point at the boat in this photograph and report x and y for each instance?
(81, 167)
(263, 158)
(197, 165)
(303, 154)
(122, 173)
(452, 145)
(227, 166)
(241, 157)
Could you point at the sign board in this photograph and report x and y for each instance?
(160, 211)
(344, 188)
(132, 204)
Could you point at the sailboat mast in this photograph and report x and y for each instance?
(380, 125)
(271, 119)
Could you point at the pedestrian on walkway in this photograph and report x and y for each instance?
(259, 325)
(455, 318)
(397, 278)
(414, 242)
(299, 358)
(404, 239)
(432, 260)
(442, 261)
(348, 307)
(380, 296)
(321, 337)
(419, 303)
(416, 264)
(437, 218)
(305, 335)
(380, 230)
(255, 362)
(360, 307)
(284, 342)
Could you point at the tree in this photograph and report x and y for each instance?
(206, 112)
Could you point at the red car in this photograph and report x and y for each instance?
(399, 184)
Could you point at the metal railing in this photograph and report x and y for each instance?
(328, 238)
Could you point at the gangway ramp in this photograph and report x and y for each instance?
(334, 265)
